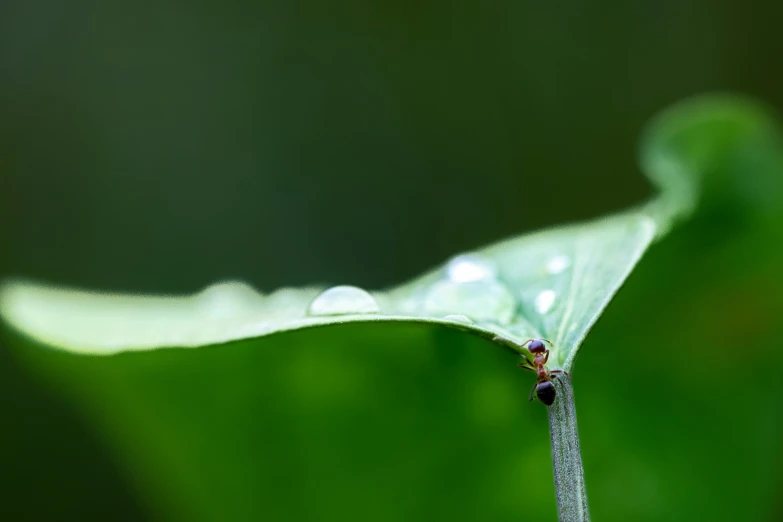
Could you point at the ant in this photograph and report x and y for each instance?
(544, 390)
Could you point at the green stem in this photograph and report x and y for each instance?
(569, 475)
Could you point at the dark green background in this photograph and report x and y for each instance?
(161, 146)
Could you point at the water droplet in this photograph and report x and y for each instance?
(343, 300)
(557, 264)
(458, 318)
(478, 300)
(471, 267)
(228, 299)
(544, 301)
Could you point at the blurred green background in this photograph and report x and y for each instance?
(160, 146)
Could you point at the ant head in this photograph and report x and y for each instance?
(536, 346)
(545, 391)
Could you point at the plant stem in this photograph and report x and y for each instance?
(569, 475)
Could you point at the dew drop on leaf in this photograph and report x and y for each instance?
(467, 268)
(557, 264)
(343, 300)
(544, 301)
(227, 299)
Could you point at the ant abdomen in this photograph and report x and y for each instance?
(545, 391)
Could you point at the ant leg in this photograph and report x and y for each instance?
(546, 356)
(561, 371)
(532, 392)
(528, 361)
(522, 365)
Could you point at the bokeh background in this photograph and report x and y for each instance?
(161, 146)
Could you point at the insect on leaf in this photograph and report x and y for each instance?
(499, 290)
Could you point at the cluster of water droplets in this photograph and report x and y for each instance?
(545, 299)
(470, 291)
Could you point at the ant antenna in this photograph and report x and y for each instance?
(550, 343)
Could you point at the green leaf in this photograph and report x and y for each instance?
(552, 284)
(712, 150)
